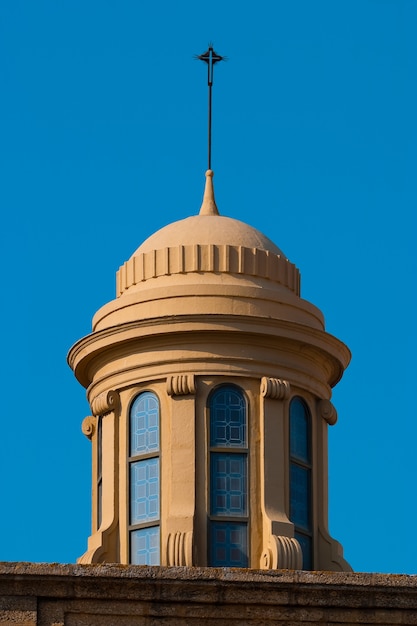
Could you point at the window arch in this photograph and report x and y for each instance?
(228, 497)
(300, 478)
(144, 480)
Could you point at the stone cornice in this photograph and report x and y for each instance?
(308, 339)
(208, 258)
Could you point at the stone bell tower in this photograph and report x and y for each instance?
(209, 380)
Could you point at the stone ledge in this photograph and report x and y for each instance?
(117, 594)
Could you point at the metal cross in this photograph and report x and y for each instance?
(210, 57)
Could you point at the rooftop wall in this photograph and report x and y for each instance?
(107, 595)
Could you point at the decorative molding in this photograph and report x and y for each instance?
(327, 411)
(275, 388)
(105, 402)
(208, 258)
(282, 553)
(181, 385)
(88, 426)
(179, 549)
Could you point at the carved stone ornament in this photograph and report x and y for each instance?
(105, 402)
(275, 388)
(88, 426)
(181, 385)
(179, 549)
(282, 553)
(327, 411)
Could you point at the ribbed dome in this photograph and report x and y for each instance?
(204, 246)
(206, 230)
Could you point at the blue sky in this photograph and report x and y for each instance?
(103, 141)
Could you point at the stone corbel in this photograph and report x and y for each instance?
(275, 388)
(327, 411)
(181, 385)
(105, 402)
(88, 426)
(179, 549)
(282, 553)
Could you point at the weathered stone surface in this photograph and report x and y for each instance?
(107, 594)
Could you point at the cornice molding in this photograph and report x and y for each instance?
(314, 343)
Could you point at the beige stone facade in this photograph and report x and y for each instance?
(205, 304)
(110, 595)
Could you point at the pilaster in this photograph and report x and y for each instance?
(103, 543)
(180, 498)
(280, 549)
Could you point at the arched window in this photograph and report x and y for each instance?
(300, 478)
(228, 519)
(144, 478)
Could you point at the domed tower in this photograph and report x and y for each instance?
(209, 381)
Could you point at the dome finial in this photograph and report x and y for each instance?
(209, 206)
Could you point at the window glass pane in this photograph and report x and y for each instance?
(144, 424)
(228, 484)
(299, 431)
(144, 491)
(227, 418)
(99, 445)
(306, 547)
(99, 469)
(99, 502)
(228, 544)
(300, 496)
(144, 546)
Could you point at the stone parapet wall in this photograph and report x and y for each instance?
(107, 595)
(210, 258)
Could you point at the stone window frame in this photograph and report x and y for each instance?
(238, 519)
(303, 533)
(134, 458)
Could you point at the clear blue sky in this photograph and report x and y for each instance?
(103, 141)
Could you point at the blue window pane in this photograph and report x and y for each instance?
(299, 431)
(307, 549)
(144, 491)
(144, 546)
(228, 418)
(144, 424)
(300, 496)
(228, 484)
(228, 544)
